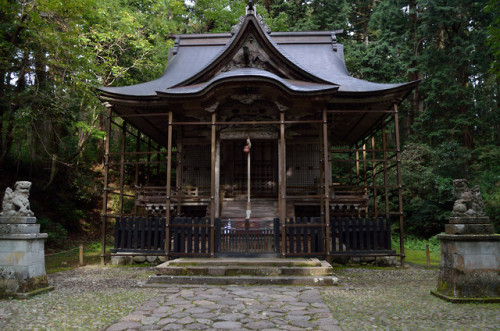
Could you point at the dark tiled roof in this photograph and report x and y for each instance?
(315, 55)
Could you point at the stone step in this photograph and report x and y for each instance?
(164, 280)
(250, 262)
(222, 271)
(239, 270)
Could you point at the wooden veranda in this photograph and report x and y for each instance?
(325, 173)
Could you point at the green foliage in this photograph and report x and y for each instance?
(57, 233)
(54, 54)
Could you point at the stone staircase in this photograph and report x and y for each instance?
(261, 209)
(244, 271)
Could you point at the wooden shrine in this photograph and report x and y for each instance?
(254, 142)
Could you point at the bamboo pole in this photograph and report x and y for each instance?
(400, 186)
(106, 183)
(169, 184)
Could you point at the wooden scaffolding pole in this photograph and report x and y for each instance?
(400, 186)
(365, 178)
(212, 187)
(178, 179)
(169, 184)
(122, 167)
(374, 178)
(107, 138)
(386, 184)
(136, 175)
(327, 176)
(282, 182)
(321, 173)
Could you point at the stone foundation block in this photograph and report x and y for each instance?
(469, 229)
(470, 266)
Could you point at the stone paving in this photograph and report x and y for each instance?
(231, 308)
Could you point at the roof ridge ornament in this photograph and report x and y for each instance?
(259, 18)
(251, 8)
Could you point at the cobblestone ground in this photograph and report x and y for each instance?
(232, 308)
(95, 298)
(400, 300)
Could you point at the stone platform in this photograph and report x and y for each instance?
(470, 268)
(22, 258)
(247, 271)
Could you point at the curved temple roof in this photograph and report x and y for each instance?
(299, 62)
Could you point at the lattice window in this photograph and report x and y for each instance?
(196, 166)
(303, 167)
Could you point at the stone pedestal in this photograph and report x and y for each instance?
(470, 261)
(22, 257)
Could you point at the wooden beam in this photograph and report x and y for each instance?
(122, 167)
(327, 176)
(321, 190)
(282, 182)
(212, 187)
(169, 184)
(364, 176)
(178, 179)
(400, 185)
(374, 178)
(107, 139)
(136, 175)
(386, 184)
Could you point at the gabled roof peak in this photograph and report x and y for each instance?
(260, 20)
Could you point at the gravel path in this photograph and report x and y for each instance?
(399, 300)
(95, 298)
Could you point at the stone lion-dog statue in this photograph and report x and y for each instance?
(16, 203)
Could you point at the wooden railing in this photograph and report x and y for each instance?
(139, 234)
(360, 236)
(304, 236)
(190, 236)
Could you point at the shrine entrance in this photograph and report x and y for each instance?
(238, 234)
(263, 173)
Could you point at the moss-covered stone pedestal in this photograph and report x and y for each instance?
(22, 258)
(470, 268)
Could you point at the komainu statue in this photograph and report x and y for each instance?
(468, 201)
(16, 203)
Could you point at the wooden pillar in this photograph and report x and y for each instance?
(282, 182)
(400, 186)
(148, 164)
(122, 166)
(217, 178)
(321, 173)
(327, 176)
(386, 184)
(136, 176)
(212, 188)
(374, 178)
(107, 139)
(169, 184)
(357, 165)
(358, 177)
(365, 177)
(178, 179)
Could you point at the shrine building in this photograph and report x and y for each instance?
(253, 143)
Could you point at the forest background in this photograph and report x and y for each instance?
(54, 54)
